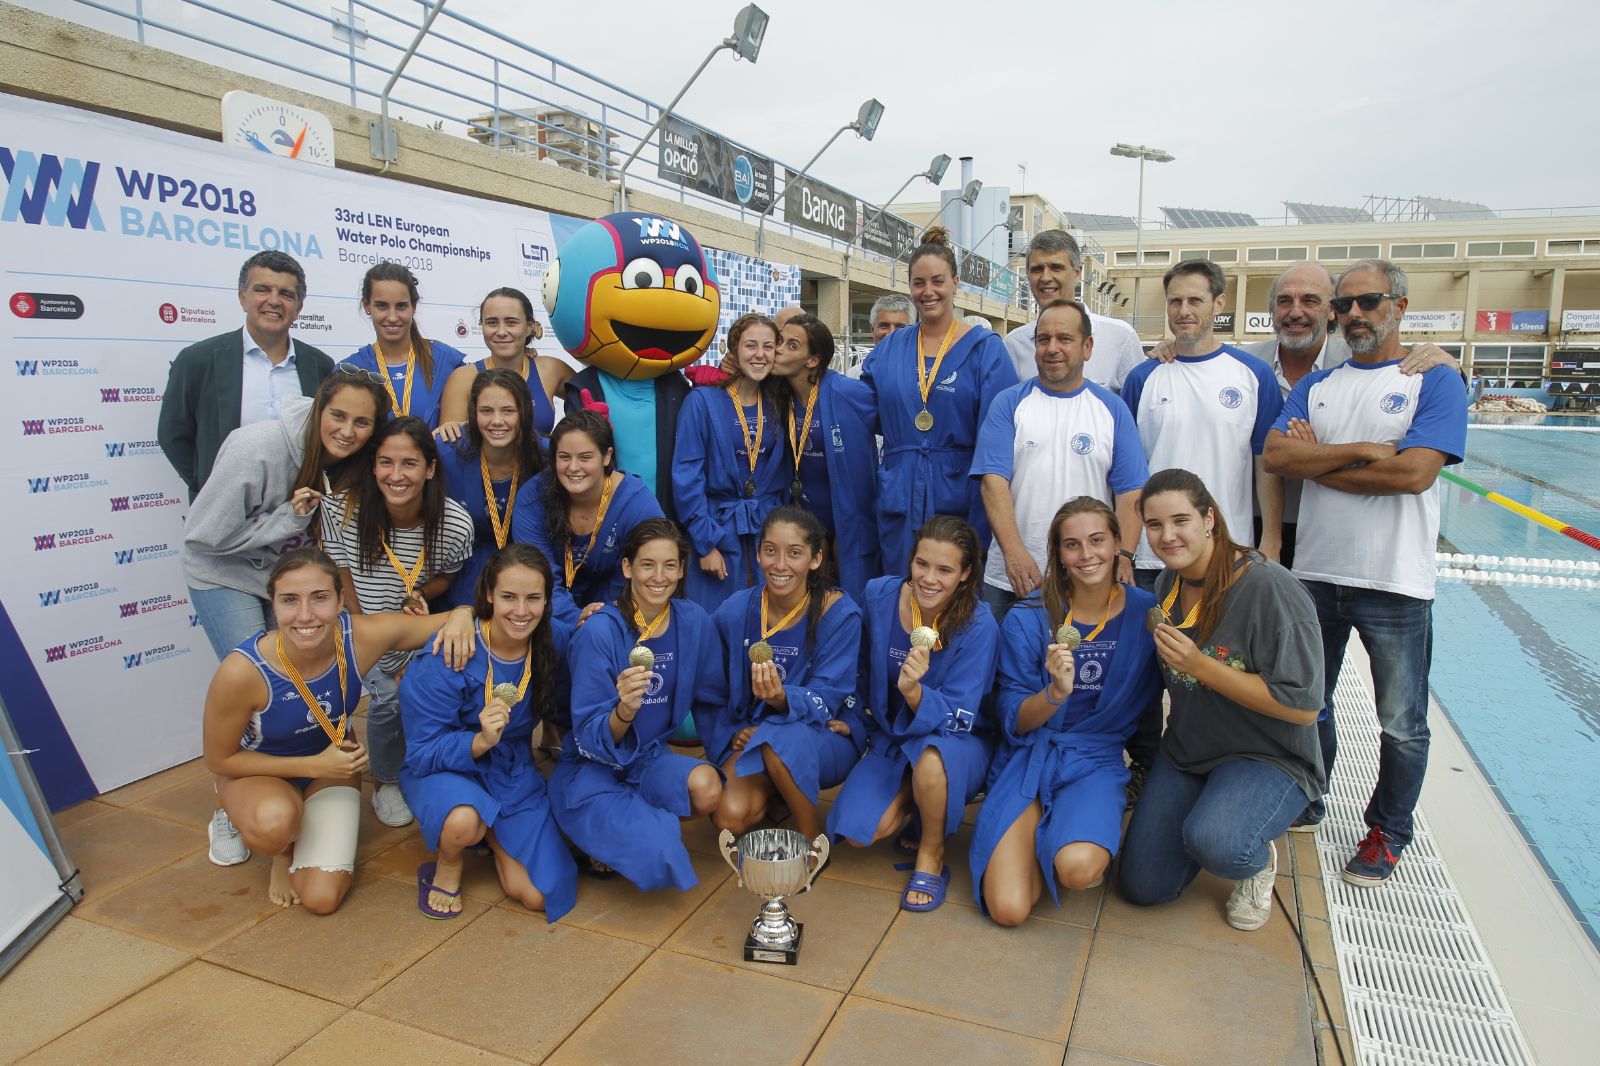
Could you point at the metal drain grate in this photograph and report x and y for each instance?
(1418, 986)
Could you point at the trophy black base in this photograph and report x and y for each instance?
(780, 954)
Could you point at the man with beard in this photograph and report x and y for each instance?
(1369, 441)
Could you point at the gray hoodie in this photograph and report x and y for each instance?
(242, 520)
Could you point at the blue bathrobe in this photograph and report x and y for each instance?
(599, 579)
(463, 483)
(819, 679)
(1082, 756)
(848, 417)
(440, 708)
(709, 469)
(620, 800)
(953, 716)
(925, 474)
(426, 392)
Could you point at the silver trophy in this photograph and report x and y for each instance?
(774, 863)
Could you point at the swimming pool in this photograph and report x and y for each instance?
(1517, 637)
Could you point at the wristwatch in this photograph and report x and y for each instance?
(1126, 555)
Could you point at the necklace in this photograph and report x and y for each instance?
(571, 568)
(399, 406)
(752, 444)
(311, 702)
(927, 377)
(500, 523)
(797, 443)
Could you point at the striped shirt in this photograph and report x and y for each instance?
(380, 588)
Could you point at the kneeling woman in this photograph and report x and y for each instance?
(789, 725)
(928, 664)
(288, 770)
(638, 667)
(1077, 666)
(469, 771)
(1242, 655)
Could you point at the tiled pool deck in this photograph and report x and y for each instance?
(170, 959)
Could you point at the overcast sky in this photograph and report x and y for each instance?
(1464, 99)
(1259, 101)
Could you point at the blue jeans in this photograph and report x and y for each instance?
(999, 600)
(1221, 822)
(386, 741)
(229, 617)
(1397, 631)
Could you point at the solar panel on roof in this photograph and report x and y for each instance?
(1326, 213)
(1203, 218)
(1101, 222)
(1452, 210)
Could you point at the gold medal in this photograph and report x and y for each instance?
(505, 691)
(1166, 609)
(752, 439)
(412, 602)
(641, 655)
(797, 490)
(1068, 634)
(571, 567)
(797, 441)
(1156, 616)
(761, 652)
(924, 637)
(407, 577)
(926, 376)
(499, 523)
(334, 733)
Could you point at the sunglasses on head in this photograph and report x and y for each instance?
(1368, 301)
(360, 372)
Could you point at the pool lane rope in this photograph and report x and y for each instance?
(1529, 513)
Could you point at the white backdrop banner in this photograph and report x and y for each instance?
(120, 244)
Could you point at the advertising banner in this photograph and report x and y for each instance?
(820, 208)
(1224, 322)
(700, 160)
(1493, 322)
(123, 245)
(974, 271)
(886, 235)
(1580, 322)
(1258, 321)
(1530, 321)
(1431, 322)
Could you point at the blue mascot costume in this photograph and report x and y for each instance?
(633, 298)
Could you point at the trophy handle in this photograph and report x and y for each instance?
(730, 853)
(819, 853)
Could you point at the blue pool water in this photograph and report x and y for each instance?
(1514, 665)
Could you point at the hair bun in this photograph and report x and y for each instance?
(936, 235)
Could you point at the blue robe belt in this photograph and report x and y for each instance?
(924, 448)
(743, 515)
(1046, 753)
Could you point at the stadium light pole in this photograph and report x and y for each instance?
(1143, 153)
(749, 29)
(865, 125)
(934, 173)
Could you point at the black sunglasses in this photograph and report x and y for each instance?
(1369, 301)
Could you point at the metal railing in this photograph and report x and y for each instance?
(466, 78)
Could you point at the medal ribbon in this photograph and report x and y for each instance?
(786, 620)
(395, 403)
(314, 704)
(752, 445)
(410, 579)
(571, 568)
(648, 631)
(926, 377)
(916, 619)
(1172, 597)
(500, 524)
(795, 444)
(488, 681)
(1095, 632)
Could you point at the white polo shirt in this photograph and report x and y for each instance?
(1053, 446)
(1208, 414)
(1376, 542)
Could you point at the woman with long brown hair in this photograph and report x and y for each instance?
(1242, 653)
(1077, 666)
(928, 655)
(412, 368)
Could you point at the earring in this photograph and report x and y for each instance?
(1208, 534)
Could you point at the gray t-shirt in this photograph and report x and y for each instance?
(1268, 627)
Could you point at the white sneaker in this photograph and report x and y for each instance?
(389, 804)
(227, 846)
(1251, 903)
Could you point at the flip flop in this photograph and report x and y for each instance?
(929, 884)
(425, 885)
(592, 867)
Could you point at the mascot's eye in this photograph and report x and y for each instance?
(643, 274)
(687, 279)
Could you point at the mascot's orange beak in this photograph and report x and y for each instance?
(634, 331)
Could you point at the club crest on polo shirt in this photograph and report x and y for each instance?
(1393, 403)
(1230, 397)
(1082, 443)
